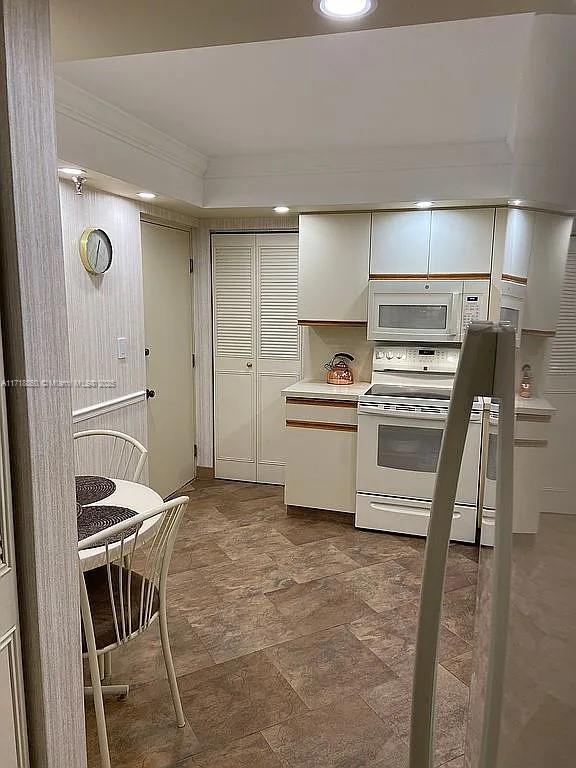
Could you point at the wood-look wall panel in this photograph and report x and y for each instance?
(203, 316)
(34, 329)
(102, 309)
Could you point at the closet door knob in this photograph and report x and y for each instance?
(248, 365)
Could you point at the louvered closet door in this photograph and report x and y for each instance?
(234, 298)
(256, 351)
(278, 350)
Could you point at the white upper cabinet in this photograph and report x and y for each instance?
(550, 243)
(518, 246)
(461, 242)
(400, 243)
(334, 253)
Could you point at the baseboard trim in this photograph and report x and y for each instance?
(310, 513)
(205, 473)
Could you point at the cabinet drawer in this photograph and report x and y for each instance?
(385, 513)
(321, 411)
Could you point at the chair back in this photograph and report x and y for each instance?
(130, 597)
(116, 454)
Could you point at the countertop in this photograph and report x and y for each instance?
(534, 406)
(324, 391)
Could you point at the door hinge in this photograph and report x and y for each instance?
(191, 266)
(193, 360)
(195, 451)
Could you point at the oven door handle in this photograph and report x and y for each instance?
(373, 410)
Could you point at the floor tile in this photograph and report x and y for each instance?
(189, 556)
(200, 520)
(383, 586)
(328, 666)
(368, 548)
(458, 611)
(258, 538)
(249, 575)
(250, 752)
(460, 666)
(264, 510)
(142, 661)
(303, 530)
(232, 700)
(142, 730)
(319, 605)
(458, 762)
(392, 702)
(392, 637)
(347, 734)
(314, 560)
(246, 625)
(461, 571)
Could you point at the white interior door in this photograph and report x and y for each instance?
(256, 351)
(168, 320)
(13, 744)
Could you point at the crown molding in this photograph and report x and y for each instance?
(86, 109)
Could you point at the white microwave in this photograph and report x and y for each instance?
(425, 310)
(512, 306)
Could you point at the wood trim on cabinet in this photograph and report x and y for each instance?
(536, 332)
(321, 401)
(515, 279)
(520, 442)
(359, 323)
(321, 425)
(397, 276)
(435, 276)
(539, 417)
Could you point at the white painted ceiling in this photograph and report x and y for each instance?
(441, 83)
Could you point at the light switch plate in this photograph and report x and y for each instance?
(121, 346)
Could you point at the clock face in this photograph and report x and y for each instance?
(96, 251)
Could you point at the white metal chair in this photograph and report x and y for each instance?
(118, 603)
(124, 457)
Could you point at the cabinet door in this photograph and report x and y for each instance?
(334, 253)
(234, 357)
(400, 244)
(461, 243)
(518, 247)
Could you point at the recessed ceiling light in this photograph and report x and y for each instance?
(345, 9)
(72, 171)
(146, 195)
(424, 204)
(281, 209)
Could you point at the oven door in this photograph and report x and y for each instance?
(398, 454)
(405, 310)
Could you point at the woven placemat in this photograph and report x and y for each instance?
(93, 520)
(91, 488)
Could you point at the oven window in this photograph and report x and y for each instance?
(430, 317)
(414, 449)
(492, 462)
(511, 316)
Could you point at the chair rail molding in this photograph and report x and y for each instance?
(107, 406)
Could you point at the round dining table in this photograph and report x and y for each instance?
(139, 498)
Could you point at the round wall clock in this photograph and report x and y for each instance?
(95, 251)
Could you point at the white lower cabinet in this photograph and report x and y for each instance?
(256, 352)
(321, 457)
(411, 516)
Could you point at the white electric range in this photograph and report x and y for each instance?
(401, 420)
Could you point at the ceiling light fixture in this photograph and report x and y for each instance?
(72, 171)
(146, 195)
(281, 209)
(345, 9)
(515, 202)
(424, 204)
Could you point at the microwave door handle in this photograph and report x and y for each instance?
(502, 558)
(454, 321)
(475, 376)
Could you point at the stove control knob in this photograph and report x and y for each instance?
(379, 355)
(389, 356)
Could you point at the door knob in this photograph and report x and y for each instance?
(150, 393)
(248, 365)
(146, 352)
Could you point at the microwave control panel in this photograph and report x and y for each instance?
(416, 358)
(474, 303)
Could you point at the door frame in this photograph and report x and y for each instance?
(39, 409)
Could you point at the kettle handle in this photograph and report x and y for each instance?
(344, 354)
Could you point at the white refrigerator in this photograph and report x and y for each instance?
(522, 710)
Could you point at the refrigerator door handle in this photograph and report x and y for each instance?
(475, 376)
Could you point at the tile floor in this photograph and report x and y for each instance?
(293, 640)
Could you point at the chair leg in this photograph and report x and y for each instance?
(108, 665)
(99, 709)
(180, 719)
